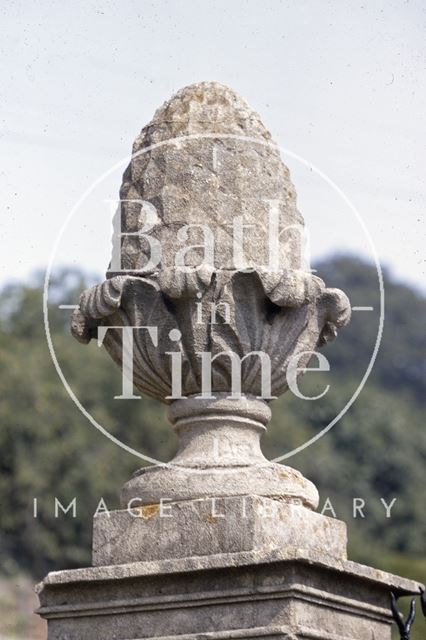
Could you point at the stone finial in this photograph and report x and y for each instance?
(208, 269)
(208, 252)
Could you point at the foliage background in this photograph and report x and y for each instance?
(48, 449)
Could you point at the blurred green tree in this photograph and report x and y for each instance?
(377, 451)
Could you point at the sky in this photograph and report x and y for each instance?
(340, 84)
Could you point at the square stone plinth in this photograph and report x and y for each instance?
(288, 594)
(211, 526)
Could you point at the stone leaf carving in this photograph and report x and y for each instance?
(277, 314)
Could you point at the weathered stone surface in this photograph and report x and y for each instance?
(282, 594)
(211, 526)
(219, 455)
(276, 314)
(206, 160)
(278, 307)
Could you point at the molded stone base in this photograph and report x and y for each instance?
(288, 594)
(150, 484)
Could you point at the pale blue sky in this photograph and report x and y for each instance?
(340, 83)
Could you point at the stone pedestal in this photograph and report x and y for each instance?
(219, 568)
(278, 591)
